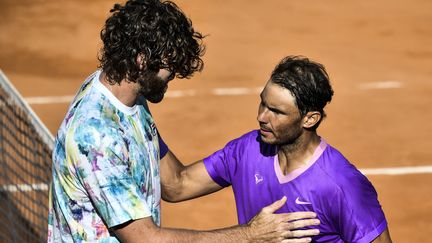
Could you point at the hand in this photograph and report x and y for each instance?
(270, 227)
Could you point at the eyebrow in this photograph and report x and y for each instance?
(272, 108)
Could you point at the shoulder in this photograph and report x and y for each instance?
(342, 177)
(88, 105)
(250, 144)
(246, 140)
(249, 137)
(235, 148)
(95, 135)
(93, 115)
(348, 198)
(338, 167)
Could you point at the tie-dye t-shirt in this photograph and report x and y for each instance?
(105, 167)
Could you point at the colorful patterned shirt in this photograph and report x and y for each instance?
(105, 167)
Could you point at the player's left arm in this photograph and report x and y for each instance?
(384, 237)
(180, 182)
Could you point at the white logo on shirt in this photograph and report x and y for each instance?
(153, 129)
(258, 178)
(297, 201)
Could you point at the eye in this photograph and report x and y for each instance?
(274, 110)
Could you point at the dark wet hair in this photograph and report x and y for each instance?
(159, 31)
(307, 81)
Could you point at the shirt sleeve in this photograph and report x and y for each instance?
(101, 161)
(163, 148)
(222, 163)
(356, 213)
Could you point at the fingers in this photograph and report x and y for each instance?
(297, 215)
(275, 206)
(303, 223)
(300, 233)
(302, 240)
(294, 232)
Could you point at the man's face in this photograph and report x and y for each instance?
(278, 116)
(154, 85)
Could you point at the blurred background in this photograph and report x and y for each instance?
(378, 55)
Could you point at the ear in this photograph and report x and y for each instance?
(141, 61)
(311, 118)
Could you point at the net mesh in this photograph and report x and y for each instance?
(25, 160)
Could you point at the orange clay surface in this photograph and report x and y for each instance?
(48, 47)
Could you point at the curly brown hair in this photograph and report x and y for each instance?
(159, 31)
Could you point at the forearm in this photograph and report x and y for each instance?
(264, 227)
(144, 231)
(231, 234)
(171, 177)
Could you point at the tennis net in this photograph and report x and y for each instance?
(25, 172)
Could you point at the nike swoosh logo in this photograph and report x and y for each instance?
(297, 201)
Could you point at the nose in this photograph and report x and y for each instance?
(262, 115)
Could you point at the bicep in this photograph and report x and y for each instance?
(133, 231)
(181, 182)
(384, 237)
(197, 180)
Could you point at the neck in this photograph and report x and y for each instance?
(126, 92)
(295, 155)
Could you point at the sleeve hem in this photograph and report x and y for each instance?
(163, 148)
(374, 234)
(122, 220)
(213, 174)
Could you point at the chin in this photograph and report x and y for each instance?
(155, 100)
(266, 140)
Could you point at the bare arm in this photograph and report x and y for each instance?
(384, 237)
(181, 182)
(144, 230)
(265, 227)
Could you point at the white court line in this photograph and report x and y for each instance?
(398, 170)
(40, 100)
(236, 91)
(381, 85)
(180, 93)
(370, 171)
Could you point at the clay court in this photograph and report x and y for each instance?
(378, 55)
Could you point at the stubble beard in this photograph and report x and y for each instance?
(288, 140)
(152, 87)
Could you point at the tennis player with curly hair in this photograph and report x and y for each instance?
(106, 162)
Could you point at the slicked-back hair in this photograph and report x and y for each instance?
(157, 30)
(307, 81)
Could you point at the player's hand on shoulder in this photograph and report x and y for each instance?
(286, 227)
